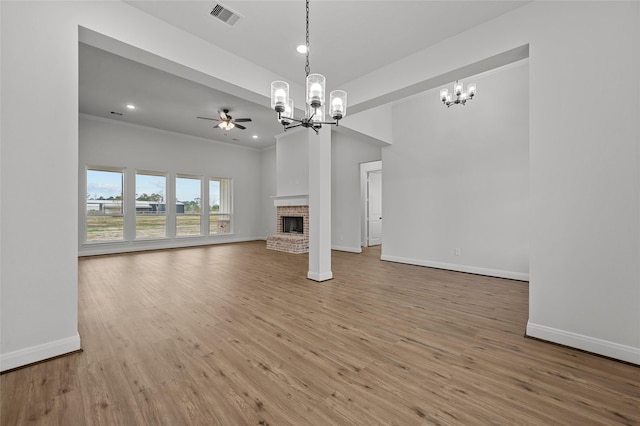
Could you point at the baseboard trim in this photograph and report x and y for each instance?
(519, 276)
(589, 344)
(320, 276)
(348, 249)
(134, 246)
(22, 357)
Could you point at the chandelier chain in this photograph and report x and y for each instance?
(314, 94)
(306, 67)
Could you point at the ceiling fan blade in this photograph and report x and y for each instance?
(206, 118)
(241, 120)
(223, 115)
(240, 126)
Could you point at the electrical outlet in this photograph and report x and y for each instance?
(457, 252)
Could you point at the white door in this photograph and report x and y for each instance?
(374, 208)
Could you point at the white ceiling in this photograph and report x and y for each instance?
(109, 82)
(347, 38)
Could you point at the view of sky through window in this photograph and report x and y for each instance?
(108, 184)
(188, 189)
(150, 184)
(103, 184)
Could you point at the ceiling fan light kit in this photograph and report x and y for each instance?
(226, 121)
(226, 125)
(315, 99)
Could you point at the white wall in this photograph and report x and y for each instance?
(458, 177)
(585, 189)
(292, 160)
(348, 150)
(40, 79)
(584, 161)
(373, 122)
(39, 168)
(112, 143)
(268, 190)
(585, 185)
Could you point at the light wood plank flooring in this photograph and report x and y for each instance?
(236, 335)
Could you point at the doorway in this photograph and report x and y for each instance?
(371, 203)
(374, 208)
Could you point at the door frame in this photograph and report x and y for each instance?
(365, 168)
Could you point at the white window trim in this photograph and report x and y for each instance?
(166, 203)
(202, 180)
(115, 169)
(229, 196)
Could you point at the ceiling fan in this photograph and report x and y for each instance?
(226, 121)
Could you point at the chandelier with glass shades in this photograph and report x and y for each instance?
(315, 99)
(461, 95)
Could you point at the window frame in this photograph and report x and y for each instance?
(123, 207)
(226, 193)
(166, 203)
(200, 178)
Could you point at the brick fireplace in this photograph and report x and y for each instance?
(287, 241)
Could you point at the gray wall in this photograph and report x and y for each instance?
(584, 161)
(268, 190)
(292, 163)
(458, 177)
(111, 143)
(584, 246)
(347, 152)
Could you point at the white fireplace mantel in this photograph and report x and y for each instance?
(290, 200)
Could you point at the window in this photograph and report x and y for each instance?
(188, 206)
(151, 208)
(219, 206)
(105, 212)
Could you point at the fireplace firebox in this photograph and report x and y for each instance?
(292, 224)
(292, 229)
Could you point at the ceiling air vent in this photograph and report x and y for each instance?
(225, 14)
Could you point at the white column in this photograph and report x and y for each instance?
(320, 205)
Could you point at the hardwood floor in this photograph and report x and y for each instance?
(236, 335)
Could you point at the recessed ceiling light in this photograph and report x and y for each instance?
(302, 48)
(255, 136)
(131, 106)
